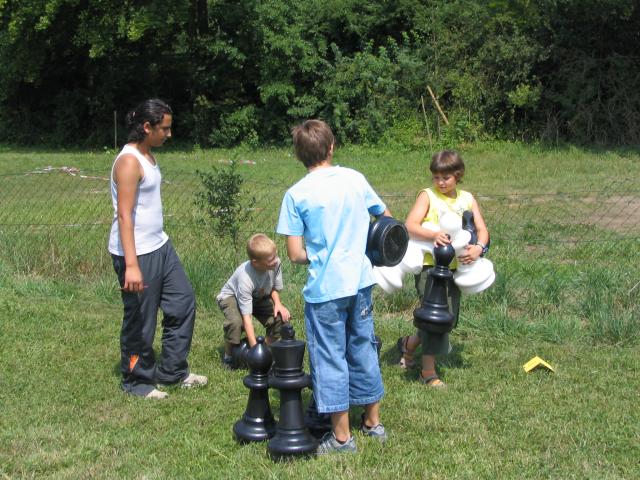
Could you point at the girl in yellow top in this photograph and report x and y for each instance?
(447, 170)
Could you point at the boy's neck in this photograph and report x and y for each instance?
(323, 164)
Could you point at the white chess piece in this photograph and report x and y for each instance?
(472, 278)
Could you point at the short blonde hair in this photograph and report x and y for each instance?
(260, 247)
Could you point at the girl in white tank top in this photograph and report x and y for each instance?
(147, 214)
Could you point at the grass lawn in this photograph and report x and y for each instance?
(571, 302)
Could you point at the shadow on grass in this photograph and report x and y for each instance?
(391, 357)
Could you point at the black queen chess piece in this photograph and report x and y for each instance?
(292, 437)
(433, 315)
(257, 423)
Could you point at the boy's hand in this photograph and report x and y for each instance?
(282, 311)
(470, 254)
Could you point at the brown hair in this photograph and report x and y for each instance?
(447, 161)
(312, 141)
(260, 247)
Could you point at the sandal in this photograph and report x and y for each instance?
(432, 381)
(406, 358)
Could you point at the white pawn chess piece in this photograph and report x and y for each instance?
(472, 278)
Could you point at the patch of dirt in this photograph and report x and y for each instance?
(624, 214)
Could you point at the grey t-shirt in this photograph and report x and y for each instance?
(247, 283)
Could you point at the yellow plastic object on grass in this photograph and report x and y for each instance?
(536, 362)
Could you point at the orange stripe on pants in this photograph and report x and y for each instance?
(133, 360)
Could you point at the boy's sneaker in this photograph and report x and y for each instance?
(377, 432)
(156, 394)
(194, 380)
(329, 444)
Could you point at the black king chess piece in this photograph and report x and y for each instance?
(257, 422)
(292, 437)
(434, 314)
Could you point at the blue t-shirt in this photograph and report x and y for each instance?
(330, 208)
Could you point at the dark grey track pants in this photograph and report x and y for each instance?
(167, 288)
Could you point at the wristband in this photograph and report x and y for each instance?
(485, 249)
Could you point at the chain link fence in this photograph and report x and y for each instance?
(555, 253)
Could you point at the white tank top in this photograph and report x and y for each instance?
(147, 212)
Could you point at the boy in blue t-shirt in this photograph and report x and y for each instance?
(326, 217)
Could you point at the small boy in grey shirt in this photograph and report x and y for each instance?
(253, 290)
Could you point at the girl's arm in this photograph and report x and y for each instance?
(127, 175)
(414, 222)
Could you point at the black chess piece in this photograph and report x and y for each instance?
(378, 345)
(320, 423)
(317, 423)
(434, 314)
(257, 422)
(469, 225)
(387, 241)
(239, 354)
(292, 437)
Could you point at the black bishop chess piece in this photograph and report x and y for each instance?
(257, 423)
(434, 314)
(292, 437)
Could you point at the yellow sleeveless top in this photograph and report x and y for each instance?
(438, 204)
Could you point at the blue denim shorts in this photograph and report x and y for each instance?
(342, 352)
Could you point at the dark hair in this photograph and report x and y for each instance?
(447, 161)
(312, 141)
(151, 111)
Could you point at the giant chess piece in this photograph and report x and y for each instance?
(387, 241)
(434, 315)
(472, 278)
(378, 346)
(479, 275)
(239, 354)
(292, 437)
(317, 423)
(257, 423)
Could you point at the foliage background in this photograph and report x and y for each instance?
(243, 72)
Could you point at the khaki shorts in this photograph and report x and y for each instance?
(262, 311)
